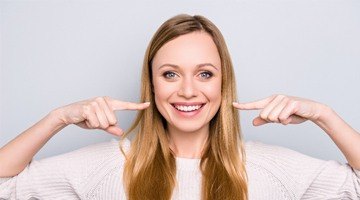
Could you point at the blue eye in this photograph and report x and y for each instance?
(169, 75)
(206, 75)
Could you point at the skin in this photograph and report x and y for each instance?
(187, 70)
(96, 113)
(186, 136)
(294, 110)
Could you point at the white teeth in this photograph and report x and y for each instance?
(187, 108)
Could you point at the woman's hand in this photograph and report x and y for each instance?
(283, 109)
(294, 110)
(97, 113)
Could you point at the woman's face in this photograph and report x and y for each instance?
(187, 81)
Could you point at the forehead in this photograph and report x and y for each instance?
(188, 50)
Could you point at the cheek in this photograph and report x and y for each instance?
(215, 98)
(162, 91)
(213, 92)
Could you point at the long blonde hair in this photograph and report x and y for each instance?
(150, 167)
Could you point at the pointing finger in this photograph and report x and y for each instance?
(255, 105)
(121, 105)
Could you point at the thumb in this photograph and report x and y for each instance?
(114, 130)
(258, 121)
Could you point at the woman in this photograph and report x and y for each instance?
(188, 143)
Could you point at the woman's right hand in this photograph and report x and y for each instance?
(97, 113)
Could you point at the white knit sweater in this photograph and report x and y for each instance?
(95, 172)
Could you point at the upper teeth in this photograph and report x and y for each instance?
(187, 108)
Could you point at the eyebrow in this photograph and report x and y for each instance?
(198, 65)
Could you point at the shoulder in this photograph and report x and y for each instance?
(285, 171)
(86, 173)
(91, 154)
(279, 159)
(258, 151)
(84, 168)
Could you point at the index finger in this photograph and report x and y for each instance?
(123, 105)
(255, 105)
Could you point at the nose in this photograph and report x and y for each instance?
(188, 88)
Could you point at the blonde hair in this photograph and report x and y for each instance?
(150, 167)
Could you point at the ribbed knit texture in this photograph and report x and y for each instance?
(95, 172)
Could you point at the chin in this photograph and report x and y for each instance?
(188, 127)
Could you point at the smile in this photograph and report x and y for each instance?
(188, 107)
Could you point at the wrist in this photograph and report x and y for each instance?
(327, 119)
(56, 120)
(325, 115)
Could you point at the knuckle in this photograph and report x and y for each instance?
(91, 124)
(84, 115)
(273, 118)
(283, 122)
(94, 104)
(86, 108)
(88, 124)
(107, 98)
(295, 104)
(104, 125)
(96, 124)
(263, 116)
(286, 100)
(280, 96)
(112, 121)
(99, 99)
(282, 118)
(109, 101)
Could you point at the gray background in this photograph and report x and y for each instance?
(57, 52)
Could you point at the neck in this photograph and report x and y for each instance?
(188, 144)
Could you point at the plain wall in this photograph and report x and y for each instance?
(57, 52)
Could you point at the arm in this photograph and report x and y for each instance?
(73, 175)
(294, 110)
(307, 177)
(97, 113)
(344, 136)
(283, 172)
(15, 155)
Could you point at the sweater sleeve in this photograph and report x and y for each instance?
(305, 177)
(43, 179)
(334, 180)
(60, 177)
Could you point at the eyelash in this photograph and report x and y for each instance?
(207, 74)
(167, 73)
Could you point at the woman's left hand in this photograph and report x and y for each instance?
(294, 110)
(283, 109)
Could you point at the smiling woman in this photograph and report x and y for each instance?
(194, 83)
(188, 143)
(187, 66)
